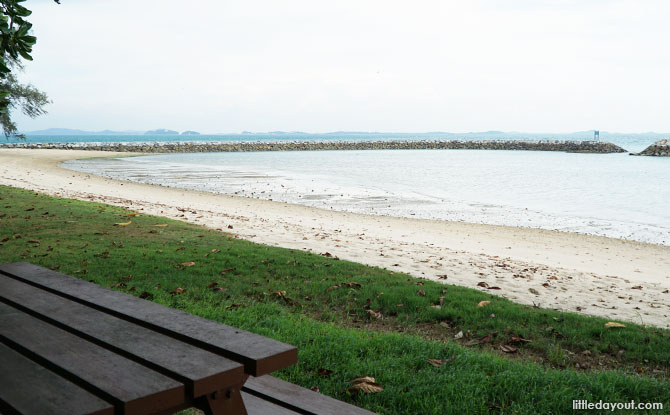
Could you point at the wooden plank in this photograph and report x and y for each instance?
(260, 355)
(202, 371)
(133, 388)
(28, 388)
(298, 399)
(258, 406)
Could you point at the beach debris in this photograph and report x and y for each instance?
(443, 277)
(187, 264)
(230, 226)
(123, 223)
(365, 385)
(534, 291)
(458, 335)
(614, 324)
(482, 284)
(508, 348)
(483, 303)
(636, 287)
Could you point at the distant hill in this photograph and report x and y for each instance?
(162, 131)
(188, 132)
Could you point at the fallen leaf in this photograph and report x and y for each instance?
(534, 291)
(421, 293)
(483, 303)
(33, 241)
(187, 264)
(334, 287)
(508, 348)
(177, 290)
(518, 339)
(458, 335)
(324, 372)
(146, 295)
(482, 284)
(637, 287)
(129, 215)
(365, 385)
(374, 314)
(123, 223)
(435, 362)
(280, 293)
(161, 225)
(215, 251)
(613, 324)
(352, 284)
(315, 389)
(212, 284)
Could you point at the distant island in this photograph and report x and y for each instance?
(162, 131)
(188, 132)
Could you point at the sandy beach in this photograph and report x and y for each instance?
(617, 279)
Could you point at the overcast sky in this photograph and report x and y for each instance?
(363, 65)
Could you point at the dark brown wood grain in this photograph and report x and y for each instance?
(202, 371)
(28, 388)
(296, 398)
(259, 355)
(133, 388)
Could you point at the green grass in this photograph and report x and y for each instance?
(319, 304)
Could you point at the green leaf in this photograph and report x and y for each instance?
(25, 55)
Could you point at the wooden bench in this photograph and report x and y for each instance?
(68, 346)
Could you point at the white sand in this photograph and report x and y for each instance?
(565, 271)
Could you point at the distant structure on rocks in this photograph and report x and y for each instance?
(596, 135)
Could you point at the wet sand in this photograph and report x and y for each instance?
(613, 278)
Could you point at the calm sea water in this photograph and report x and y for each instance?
(614, 195)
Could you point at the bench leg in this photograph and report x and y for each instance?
(223, 402)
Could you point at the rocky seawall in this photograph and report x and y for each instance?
(218, 146)
(660, 148)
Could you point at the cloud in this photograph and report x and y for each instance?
(351, 65)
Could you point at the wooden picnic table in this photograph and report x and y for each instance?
(69, 346)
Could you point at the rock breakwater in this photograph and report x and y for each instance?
(660, 148)
(237, 146)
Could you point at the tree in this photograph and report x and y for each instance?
(16, 44)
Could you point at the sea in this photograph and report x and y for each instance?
(613, 195)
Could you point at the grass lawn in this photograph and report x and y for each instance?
(347, 319)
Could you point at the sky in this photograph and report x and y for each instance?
(362, 65)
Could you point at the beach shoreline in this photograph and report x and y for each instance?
(570, 272)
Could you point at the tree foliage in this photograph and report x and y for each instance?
(16, 44)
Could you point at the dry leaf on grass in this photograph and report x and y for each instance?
(483, 303)
(281, 293)
(187, 264)
(613, 324)
(374, 314)
(177, 290)
(130, 215)
(123, 223)
(324, 372)
(508, 348)
(458, 335)
(161, 225)
(365, 385)
(435, 362)
(421, 293)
